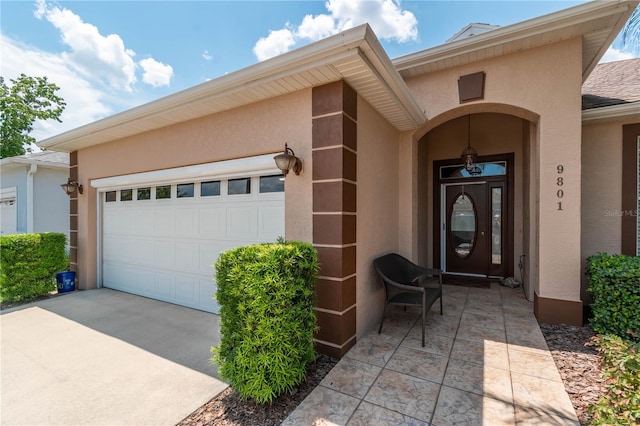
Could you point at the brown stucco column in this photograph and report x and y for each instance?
(73, 214)
(334, 117)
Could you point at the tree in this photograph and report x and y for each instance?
(27, 99)
(631, 31)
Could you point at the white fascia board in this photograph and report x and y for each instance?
(350, 43)
(241, 167)
(532, 27)
(303, 58)
(374, 55)
(612, 113)
(14, 161)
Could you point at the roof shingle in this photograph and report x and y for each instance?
(612, 83)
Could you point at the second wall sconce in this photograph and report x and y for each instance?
(288, 161)
(71, 186)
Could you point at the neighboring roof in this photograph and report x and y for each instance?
(597, 22)
(472, 29)
(354, 56)
(612, 83)
(49, 159)
(357, 57)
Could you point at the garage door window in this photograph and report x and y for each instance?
(271, 184)
(163, 192)
(110, 196)
(185, 190)
(126, 195)
(210, 189)
(144, 193)
(239, 186)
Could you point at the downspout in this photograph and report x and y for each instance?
(32, 171)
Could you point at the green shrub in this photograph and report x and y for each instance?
(621, 362)
(28, 264)
(266, 297)
(614, 282)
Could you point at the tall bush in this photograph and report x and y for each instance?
(266, 297)
(614, 282)
(28, 264)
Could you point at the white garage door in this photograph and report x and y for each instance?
(161, 240)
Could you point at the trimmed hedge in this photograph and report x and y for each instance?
(29, 263)
(266, 296)
(614, 282)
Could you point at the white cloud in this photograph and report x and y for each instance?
(386, 17)
(156, 73)
(92, 54)
(206, 55)
(85, 103)
(276, 43)
(96, 56)
(96, 75)
(317, 27)
(612, 54)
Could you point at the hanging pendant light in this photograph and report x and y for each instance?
(469, 154)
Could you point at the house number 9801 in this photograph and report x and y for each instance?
(559, 183)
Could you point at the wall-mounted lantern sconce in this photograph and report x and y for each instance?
(71, 186)
(470, 155)
(288, 161)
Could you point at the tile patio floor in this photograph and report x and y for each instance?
(485, 363)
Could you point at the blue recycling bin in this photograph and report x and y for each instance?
(66, 281)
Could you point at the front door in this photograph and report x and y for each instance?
(474, 214)
(466, 228)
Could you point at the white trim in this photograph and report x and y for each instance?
(8, 193)
(614, 112)
(241, 167)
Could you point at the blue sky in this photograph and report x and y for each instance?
(109, 56)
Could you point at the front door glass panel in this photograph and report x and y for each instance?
(463, 226)
(496, 226)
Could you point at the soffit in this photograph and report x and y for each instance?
(355, 56)
(597, 22)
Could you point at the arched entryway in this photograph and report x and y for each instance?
(478, 223)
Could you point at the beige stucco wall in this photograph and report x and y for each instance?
(541, 85)
(256, 129)
(377, 204)
(601, 189)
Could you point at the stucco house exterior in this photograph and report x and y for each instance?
(30, 196)
(171, 183)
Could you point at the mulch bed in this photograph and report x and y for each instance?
(228, 409)
(579, 365)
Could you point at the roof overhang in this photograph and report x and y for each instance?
(354, 56)
(596, 22)
(628, 111)
(12, 162)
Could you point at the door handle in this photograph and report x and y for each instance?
(482, 233)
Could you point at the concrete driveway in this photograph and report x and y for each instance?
(103, 357)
